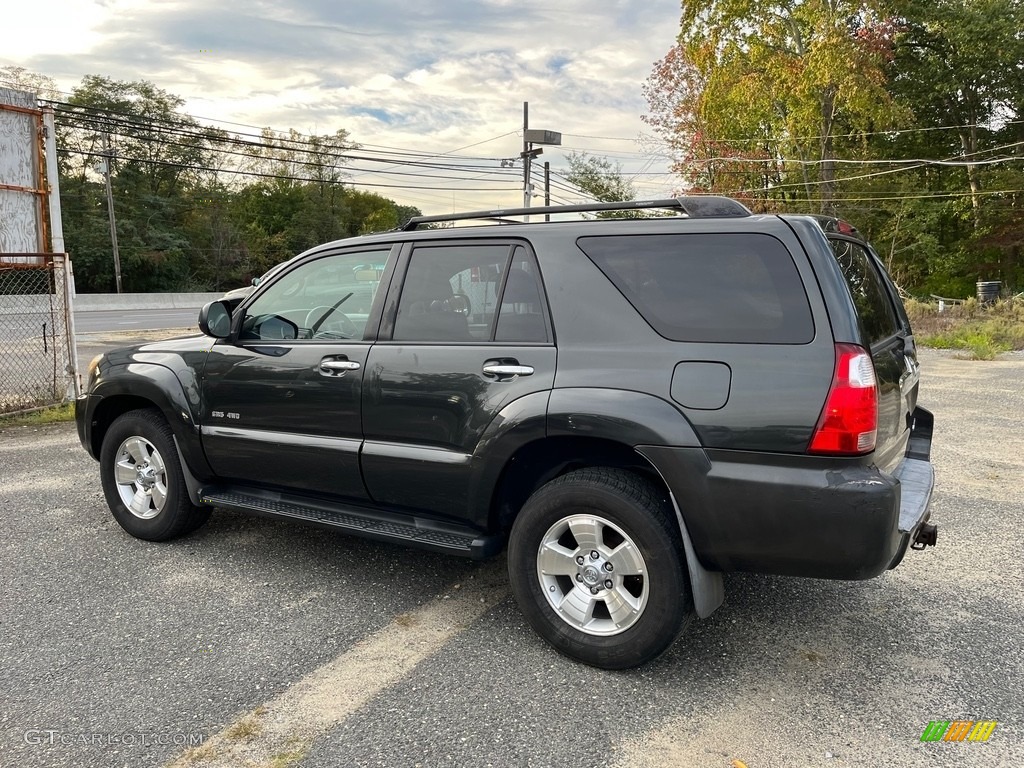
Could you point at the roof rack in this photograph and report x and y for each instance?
(694, 206)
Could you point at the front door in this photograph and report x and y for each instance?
(282, 396)
(471, 335)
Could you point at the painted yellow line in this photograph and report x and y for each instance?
(282, 730)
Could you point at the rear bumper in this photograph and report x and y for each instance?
(917, 479)
(799, 515)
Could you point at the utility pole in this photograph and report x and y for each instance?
(526, 155)
(529, 153)
(547, 188)
(107, 157)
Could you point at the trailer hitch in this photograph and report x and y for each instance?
(926, 536)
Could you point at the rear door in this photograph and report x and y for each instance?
(888, 337)
(470, 335)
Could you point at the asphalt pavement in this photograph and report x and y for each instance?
(264, 643)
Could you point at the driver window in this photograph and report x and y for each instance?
(328, 298)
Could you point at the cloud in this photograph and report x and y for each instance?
(436, 74)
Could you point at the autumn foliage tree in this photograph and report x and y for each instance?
(757, 94)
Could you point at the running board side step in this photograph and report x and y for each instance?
(359, 521)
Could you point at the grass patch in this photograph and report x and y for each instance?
(247, 727)
(35, 418)
(978, 332)
(244, 729)
(297, 750)
(204, 753)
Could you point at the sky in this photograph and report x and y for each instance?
(439, 76)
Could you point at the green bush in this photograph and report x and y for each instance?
(982, 332)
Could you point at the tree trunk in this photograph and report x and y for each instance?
(969, 143)
(828, 166)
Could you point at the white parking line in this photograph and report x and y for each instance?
(282, 730)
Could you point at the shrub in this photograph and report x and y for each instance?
(982, 332)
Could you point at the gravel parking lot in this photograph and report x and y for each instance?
(264, 643)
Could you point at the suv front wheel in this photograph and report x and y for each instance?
(142, 478)
(596, 565)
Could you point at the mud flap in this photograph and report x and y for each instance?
(707, 586)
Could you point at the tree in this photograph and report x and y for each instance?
(21, 79)
(772, 82)
(197, 207)
(960, 64)
(602, 179)
(674, 93)
(156, 157)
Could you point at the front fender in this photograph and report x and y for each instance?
(178, 401)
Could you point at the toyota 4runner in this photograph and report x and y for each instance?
(631, 406)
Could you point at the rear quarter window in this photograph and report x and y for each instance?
(708, 287)
(864, 279)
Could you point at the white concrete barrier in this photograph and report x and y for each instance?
(94, 302)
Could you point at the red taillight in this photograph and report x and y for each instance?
(849, 420)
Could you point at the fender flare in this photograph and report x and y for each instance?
(158, 384)
(520, 422)
(630, 418)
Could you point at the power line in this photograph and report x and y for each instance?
(895, 198)
(197, 129)
(259, 174)
(894, 133)
(214, 142)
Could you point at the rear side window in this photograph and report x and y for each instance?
(708, 287)
(877, 316)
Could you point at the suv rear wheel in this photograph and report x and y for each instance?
(597, 568)
(142, 478)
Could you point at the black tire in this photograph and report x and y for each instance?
(628, 510)
(163, 509)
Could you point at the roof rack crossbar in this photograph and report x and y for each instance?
(694, 206)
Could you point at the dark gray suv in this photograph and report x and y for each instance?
(631, 406)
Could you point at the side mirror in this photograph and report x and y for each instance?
(215, 319)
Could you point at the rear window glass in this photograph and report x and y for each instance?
(708, 287)
(877, 316)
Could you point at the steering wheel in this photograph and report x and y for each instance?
(328, 322)
(459, 303)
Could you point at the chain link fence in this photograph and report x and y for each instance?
(37, 361)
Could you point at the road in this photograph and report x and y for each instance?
(18, 327)
(134, 319)
(275, 644)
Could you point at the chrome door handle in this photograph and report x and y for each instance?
(497, 369)
(339, 366)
